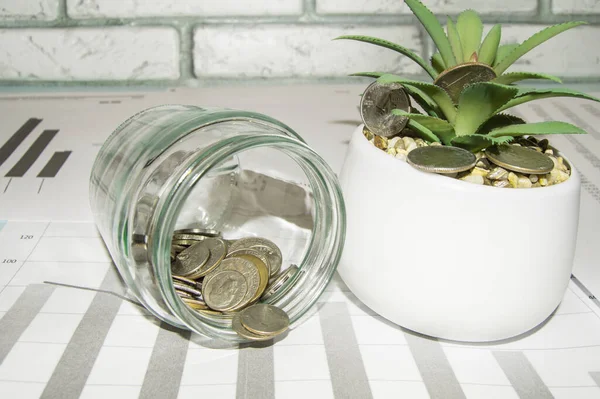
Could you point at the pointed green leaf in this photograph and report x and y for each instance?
(437, 94)
(536, 129)
(470, 29)
(439, 127)
(512, 77)
(478, 102)
(478, 142)
(435, 30)
(503, 51)
(533, 42)
(454, 40)
(414, 122)
(489, 47)
(392, 46)
(499, 120)
(368, 74)
(527, 95)
(438, 62)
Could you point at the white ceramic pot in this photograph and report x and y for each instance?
(453, 259)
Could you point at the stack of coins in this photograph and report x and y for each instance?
(228, 278)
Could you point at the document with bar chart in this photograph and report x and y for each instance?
(68, 328)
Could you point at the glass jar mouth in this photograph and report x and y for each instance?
(320, 260)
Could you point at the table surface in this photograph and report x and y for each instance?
(58, 341)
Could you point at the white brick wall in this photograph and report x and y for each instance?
(437, 6)
(28, 9)
(570, 54)
(576, 6)
(277, 51)
(150, 8)
(89, 54)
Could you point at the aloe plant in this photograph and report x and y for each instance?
(478, 120)
(462, 43)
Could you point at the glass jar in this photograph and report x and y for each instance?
(241, 173)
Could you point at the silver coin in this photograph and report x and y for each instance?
(189, 261)
(247, 269)
(267, 247)
(197, 231)
(238, 327)
(217, 249)
(441, 159)
(263, 319)
(190, 237)
(260, 260)
(187, 289)
(279, 281)
(520, 159)
(376, 107)
(225, 290)
(455, 79)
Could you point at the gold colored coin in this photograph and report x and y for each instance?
(237, 326)
(441, 159)
(520, 159)
(225, 290)
(263, 319)
(269, 248)
(195, 303)
(455, 79)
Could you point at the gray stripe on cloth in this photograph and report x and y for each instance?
(438, 376)
(522, 376)
(74, 367)
(20, 315)
(256, 372)
(346, 367)
(165, 368)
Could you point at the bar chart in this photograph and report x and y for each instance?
(24, 164)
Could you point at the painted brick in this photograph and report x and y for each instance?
(28, 9)
(576, 6)
(120, 53)
(297, 51)
(574, 53)
(135, 8)
(437, 6)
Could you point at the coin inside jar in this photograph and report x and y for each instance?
(520, 159)
(441, 159)
(267, 247)
(217, 249)
(455, 79)
(250, 273)
(190, 260)
(225, 290)
(376, 107)
(279, 281)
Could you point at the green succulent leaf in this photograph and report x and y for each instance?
(499, 120)
(503, 51)
(368, 74)
(438, 62)
(489, 47)
(527, 95)
(392, 46)
(470, 30)
(512, 77)
(477, 142)
(435, 30)
(536, 129)
(533, 42)
(443, 130)
(479, 102)
(435, 93)
(454, 39)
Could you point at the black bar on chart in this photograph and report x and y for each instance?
(32, 154)
(16, 139)
(54, 164)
